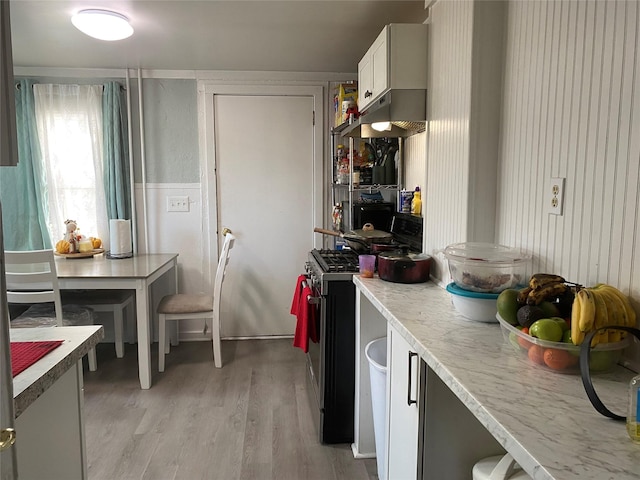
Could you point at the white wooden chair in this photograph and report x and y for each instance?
(31, 279)
(184, 306)
(110, 301)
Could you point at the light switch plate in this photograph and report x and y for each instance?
(554, 196)
(178, 203)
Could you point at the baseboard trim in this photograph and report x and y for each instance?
(356, 454)
(199, 337)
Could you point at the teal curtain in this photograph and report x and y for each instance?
(117, 183)
(23, 189)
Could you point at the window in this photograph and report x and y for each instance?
(69, 124)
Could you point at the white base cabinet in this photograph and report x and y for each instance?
(50, 433)
(403, 407)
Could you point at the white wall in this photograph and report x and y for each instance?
(445, 201)
(570, 108)
(415, 161)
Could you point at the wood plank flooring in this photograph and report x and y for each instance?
(249, 420)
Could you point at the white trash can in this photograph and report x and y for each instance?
(500, 467)
(376, 352)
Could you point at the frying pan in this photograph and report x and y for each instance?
(361, 239)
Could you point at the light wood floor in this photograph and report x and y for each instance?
(249, 420)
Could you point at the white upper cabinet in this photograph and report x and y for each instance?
(396, 60)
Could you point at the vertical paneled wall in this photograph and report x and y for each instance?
(415, 161)
(572, 110)
(446, 194)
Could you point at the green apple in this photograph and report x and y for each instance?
(563, 323)
(546, 329)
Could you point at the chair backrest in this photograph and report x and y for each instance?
(32, 278)
(223, 260)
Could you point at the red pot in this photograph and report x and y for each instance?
(404, 267)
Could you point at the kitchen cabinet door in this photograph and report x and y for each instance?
(397, 59)
(403, 406)
(372, 71)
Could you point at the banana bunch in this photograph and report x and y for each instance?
(600, 306)
(542, 286)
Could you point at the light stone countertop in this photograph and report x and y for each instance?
(35, 380)
(544, 419)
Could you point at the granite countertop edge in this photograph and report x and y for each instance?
(36, 388)
(471, 358)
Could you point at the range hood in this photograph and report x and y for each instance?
(405, 109)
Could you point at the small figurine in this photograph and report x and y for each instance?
(70, 235)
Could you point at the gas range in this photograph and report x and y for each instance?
(331, 361)
(326, 266)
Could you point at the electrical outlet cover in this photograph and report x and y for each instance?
(554, 195)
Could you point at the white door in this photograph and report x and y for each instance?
(268, 182)
(8, 455)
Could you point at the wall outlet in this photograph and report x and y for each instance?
(177, 204)
(554, 196)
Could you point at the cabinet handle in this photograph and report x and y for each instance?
(409, 400)
(367, 94)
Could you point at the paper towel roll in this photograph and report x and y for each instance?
(120, 237)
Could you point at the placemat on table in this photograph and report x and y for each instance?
(25, 354)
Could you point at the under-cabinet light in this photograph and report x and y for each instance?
(381, 126)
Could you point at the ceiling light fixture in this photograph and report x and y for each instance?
(102, 24)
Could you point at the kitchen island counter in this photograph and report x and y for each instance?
(543, 419)
(35, 380)
(49, 403)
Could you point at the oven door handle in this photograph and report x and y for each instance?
(311, 300)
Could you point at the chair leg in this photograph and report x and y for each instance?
(93, 361)
(118, 323)
(215, 337)
(162, 332)
(175, 335)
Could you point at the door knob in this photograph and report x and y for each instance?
(7, 438)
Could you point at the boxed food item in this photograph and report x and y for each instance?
(345, 97)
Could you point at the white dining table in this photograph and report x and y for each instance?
(135, 273)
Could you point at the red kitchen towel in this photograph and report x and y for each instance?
(297, 294)
(306, 327)
(25, 354)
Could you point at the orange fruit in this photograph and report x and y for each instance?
(523, 342)
(557, 359)
(536, 354)
(96, 242)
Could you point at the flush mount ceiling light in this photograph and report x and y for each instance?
(102, 24)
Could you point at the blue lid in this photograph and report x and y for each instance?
(456, 290)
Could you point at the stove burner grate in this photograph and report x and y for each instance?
(337, 260)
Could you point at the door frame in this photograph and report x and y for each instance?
(207, 90)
